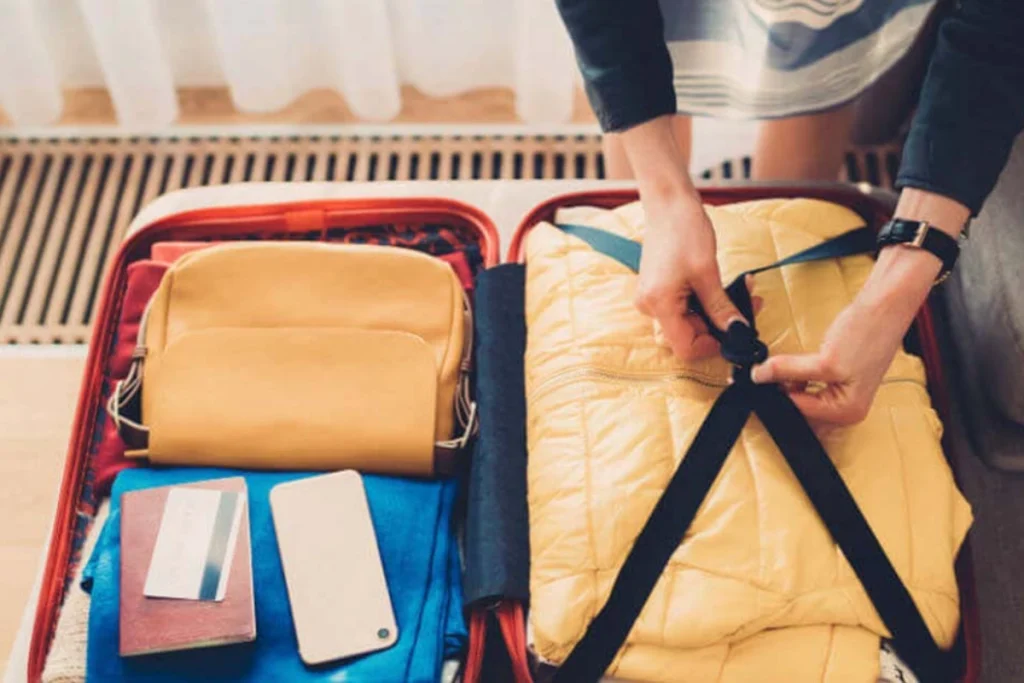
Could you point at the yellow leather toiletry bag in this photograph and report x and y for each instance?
(295, 355)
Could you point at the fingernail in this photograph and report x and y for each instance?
(736, 319)
(754, 374)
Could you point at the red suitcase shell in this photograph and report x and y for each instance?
(312, 220)
(320, 219)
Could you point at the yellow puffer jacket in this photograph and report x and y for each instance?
(757, 591)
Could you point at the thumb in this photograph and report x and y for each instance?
(792, 368)
(717, 304)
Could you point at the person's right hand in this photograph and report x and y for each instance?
(679, 256)
(679, 259)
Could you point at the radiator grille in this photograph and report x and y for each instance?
(876, 165)
(65, 204)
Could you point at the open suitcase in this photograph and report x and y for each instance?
(447, 226)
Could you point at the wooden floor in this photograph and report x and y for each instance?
(212, 106)
(38, 392)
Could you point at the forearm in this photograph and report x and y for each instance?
(903, 275)
(659, 168)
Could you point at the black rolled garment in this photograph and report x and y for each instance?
(621, 51)
(972, 103)
(497, 549)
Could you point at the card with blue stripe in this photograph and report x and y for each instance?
(195, 545)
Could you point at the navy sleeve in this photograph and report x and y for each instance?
(972, 103)
(621, 50)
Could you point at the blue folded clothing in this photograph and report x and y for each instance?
(413, 521)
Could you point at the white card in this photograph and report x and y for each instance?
(195, 544)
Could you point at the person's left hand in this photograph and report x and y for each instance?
(859, 346)
(854, 357)
(837, 384)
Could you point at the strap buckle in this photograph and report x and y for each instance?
(741, 346)
(920, 234)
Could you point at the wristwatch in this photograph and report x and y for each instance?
(921, 235)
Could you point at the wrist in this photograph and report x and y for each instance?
(658, 164)
(899, 284)
(669, 212)
(668, 193)
(903, 275)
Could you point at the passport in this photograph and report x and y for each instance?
(186, 568)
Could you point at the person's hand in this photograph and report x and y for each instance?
(679, 256)
(837, 384)
(678, 260)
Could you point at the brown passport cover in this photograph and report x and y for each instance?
(151, 625)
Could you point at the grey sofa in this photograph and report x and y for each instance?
(983, 340)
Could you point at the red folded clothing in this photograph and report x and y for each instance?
(143, 279)
(169, 252)
(457, 260)
(108, 453)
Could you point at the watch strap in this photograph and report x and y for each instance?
(921, 235)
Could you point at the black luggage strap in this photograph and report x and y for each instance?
(689, 485)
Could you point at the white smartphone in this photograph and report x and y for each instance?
(336, 586)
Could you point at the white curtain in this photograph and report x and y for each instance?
(270, 51)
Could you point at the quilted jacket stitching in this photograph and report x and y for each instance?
(588, 492)
(844, 279)
(679, 566)
(909, 576)
(725, 658)
(830, 653)
(930, 608)
(781, 274)
(664, 613)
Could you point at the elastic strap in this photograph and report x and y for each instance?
(628, 252)
(477, 642)
(512, 625)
